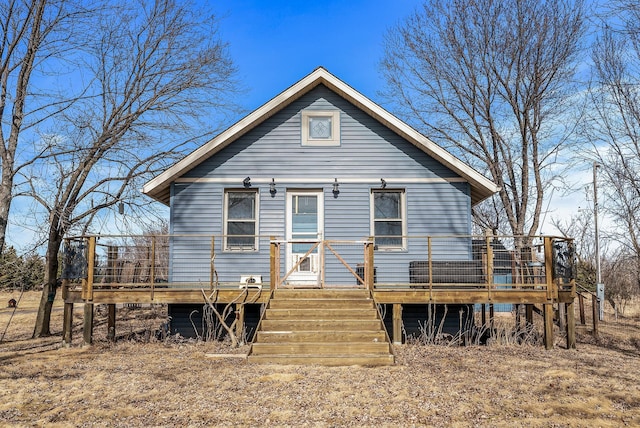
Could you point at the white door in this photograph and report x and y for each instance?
(305, 211)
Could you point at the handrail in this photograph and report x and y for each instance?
(584, 289)
(384, 327)
(153, 261)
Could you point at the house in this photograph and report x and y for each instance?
(319, 161)
(314, 222)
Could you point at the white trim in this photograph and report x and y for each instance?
(403, 217)
(307, 140)
(225, 218)
(322, 180)
(156, 188)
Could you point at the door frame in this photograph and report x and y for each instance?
(312, 278)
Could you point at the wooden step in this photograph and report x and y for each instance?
(331, 293)
(324, 360)
(320, 348)
(321, 314)
(320, 336)
(321, 304)
(328, 327)
(320, 325)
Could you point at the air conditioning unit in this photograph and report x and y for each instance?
(251, 281)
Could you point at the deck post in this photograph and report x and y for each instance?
(571, 325)
(87, 283)
(583, 318)
(111, 322)
(490, 280)
(67, 324)
(491, 315)
(562, 316)
(87, 328)
(529, 316)
(484, 314)
(397, 324)
(274, 272)
(548, 325)
(552, 289)
(369, 272)
(240, 323)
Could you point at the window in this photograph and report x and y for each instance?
(389, 221)
(240, 220)
(320, 128)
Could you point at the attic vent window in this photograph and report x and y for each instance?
(320, 128)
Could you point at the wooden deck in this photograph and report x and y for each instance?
(543, 291)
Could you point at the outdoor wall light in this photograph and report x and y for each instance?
(383, 183)
(246, 182)
(272, 187)
(335, 188)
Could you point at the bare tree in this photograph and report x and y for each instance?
(614, 128)
(37, 37)
(490, 80)
(621, 273)
(152, 68)
(581, 227)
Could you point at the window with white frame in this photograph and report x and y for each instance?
(240, 213)
(388, 218)
(320, 128)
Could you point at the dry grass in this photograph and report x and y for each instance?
(174, 384)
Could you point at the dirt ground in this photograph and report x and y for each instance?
(142, 381)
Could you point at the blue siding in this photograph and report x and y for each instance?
(368, 150)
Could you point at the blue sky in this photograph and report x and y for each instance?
(276, 43)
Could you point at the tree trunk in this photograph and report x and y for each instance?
(5, 195)
(51, 283)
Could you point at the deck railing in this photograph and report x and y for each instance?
(421, 263)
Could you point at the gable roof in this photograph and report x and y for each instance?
(159, 187)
